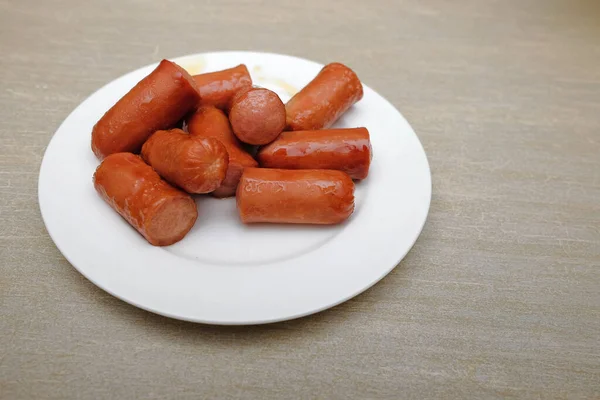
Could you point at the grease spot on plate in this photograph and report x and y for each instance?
(196, 67)
(289, 89)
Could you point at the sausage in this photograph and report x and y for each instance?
(309, 196)
(158, 101)
(209, 121)
(347, 150)
(320, 103)
(161, 213)
(217, 88)
(238, 161)
(212, 122)
(257, 115)
(195, 164)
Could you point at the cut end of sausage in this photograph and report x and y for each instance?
(257, 116)
(238, 160)
(171, 222)
(227, 189)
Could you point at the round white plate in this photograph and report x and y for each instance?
(224, 272)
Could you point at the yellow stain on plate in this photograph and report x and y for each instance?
(289, 89)
(196, 67)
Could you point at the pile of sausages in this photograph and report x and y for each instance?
(173, 135)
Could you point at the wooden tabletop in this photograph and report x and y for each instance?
(500, 296)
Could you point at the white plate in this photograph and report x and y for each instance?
(224, 272)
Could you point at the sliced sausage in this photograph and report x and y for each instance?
(310, 196)
(257, 115)
(212, 122)
(320, 103)
(217, 88)
(195, 164)
(347, 150)
(158, 101)
(161, 213)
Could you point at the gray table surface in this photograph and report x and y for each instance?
(500, 296)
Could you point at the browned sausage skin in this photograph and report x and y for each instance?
(295, 196)
(218, 88)
(211, 122)
(347, 150)
(195, 164)
(158, 211)
(320, 103)
(158, 101)
(257, 116)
